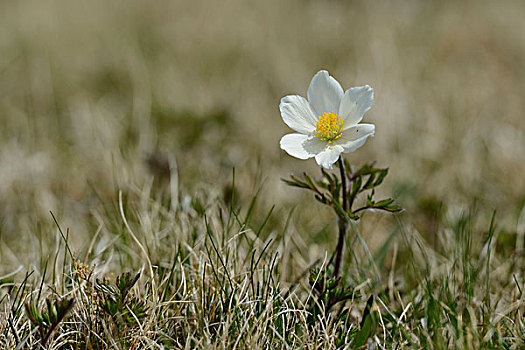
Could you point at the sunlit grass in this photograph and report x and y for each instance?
(121, 123)
(208, 275)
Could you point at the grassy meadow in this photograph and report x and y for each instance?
(141, 201)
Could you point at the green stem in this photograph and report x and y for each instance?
(343, 226)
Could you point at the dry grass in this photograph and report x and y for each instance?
(150, 106)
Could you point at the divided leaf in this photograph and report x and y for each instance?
(47, 321)
(328, 189)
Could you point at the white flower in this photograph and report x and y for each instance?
(326, 124)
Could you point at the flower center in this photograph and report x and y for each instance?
(329, 127)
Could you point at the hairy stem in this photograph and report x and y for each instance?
(342, 221)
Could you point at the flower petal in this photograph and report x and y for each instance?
(302, 146)
(297, 114)
(356, 101)
(329, 156)
(324, 93)
(355, 137)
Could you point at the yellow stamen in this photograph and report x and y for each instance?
(329, 127)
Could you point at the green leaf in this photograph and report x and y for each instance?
(393, 208)
(299, 182)
(356, 186)
(52, 311)
(294, 182)
(368, 325)
(310, 182)
(353, 216)
(370, 199)
(125, 282)
(381, 177)
(332, 179)
(365, 170)
(34, 315)
(321, 198)
(383, 203)
(370, 182)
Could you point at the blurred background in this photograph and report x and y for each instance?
(98, 96)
